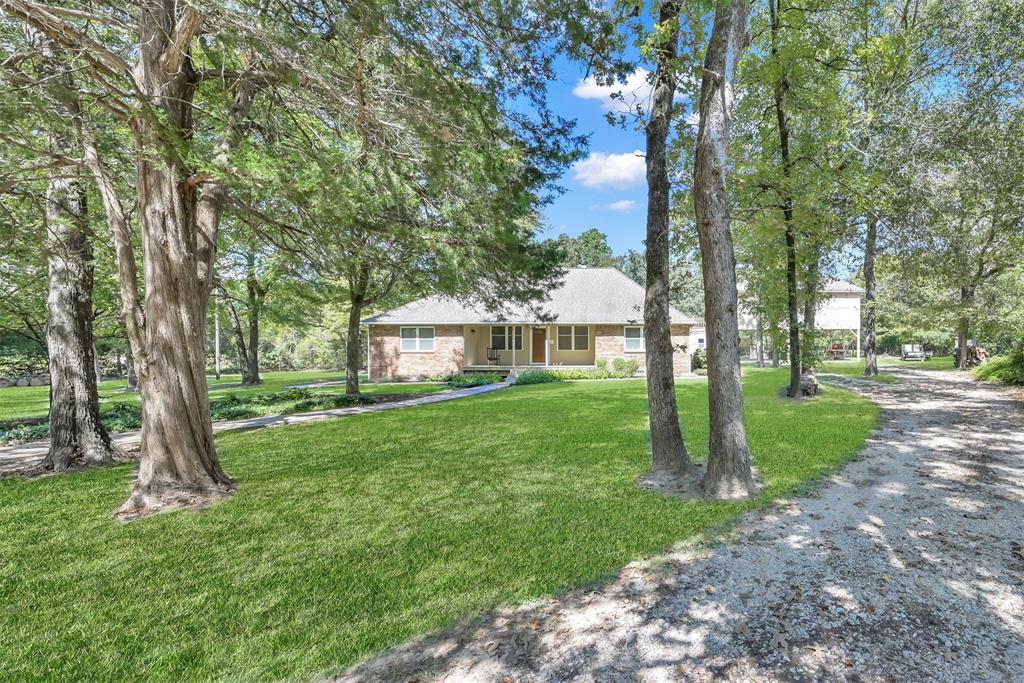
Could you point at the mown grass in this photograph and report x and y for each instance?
(852, 368)
(20, 403)
(349, 536)
(933, 363)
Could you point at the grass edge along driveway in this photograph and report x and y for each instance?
(350, 536)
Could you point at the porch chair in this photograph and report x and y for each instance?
(493, 356)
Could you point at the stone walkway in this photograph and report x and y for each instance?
(908, 565)
(15, 457)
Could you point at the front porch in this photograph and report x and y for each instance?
(504, 348)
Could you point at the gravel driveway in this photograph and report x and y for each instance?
(907, 566)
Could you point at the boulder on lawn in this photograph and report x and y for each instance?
(23, 382)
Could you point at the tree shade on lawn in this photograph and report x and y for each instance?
(353, 535)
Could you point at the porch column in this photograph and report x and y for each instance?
(513, 330)
(547, 346)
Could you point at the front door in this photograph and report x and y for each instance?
(539, 344)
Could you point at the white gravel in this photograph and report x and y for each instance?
(906, 566)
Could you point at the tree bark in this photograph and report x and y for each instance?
(809, 345)
(760, 343)
(353, 352)
(870, 320)
(179, 464)
(75, 430)
(132, 377)
(782, 120)
(668, 451)
(729, 471)
(963, 328)
(254, 293)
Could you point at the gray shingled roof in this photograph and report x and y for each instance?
(587, 295)
(842, 287)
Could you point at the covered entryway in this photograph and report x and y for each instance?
(539, 345)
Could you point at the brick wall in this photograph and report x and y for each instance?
(388, 360)
(609, 344)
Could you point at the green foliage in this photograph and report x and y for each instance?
(619, 364)
(590, 249)
(601, 364)
(419, 518)
(537, 377)
(1008, 368)
(18, 363)
(472, 379)
(699, 360)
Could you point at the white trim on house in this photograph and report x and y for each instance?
(418, 338)
(625, 339)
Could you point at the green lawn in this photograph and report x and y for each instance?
(852, 368)
(20, 403)
(933, 363)
(349, 536)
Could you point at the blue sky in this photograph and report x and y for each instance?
(606, 190)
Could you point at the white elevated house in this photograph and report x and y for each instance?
(838, 311)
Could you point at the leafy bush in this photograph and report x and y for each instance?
(619, 364)
(14, 363)
(537, 377)
(699, 361)
(1008, 368)
(630, 367)
(476, 379)
(601, 364)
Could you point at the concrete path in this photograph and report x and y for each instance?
(905, 566)
(15, 457)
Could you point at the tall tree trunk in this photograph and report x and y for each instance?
(668, 452)
(963, 327)
(254, 293)
(241, 345)
(775, 351)
(792, 301)
(353, 351)
(760, 343)
(132, 377)
(216, 336)
(75, 429)
(730, 471)
(809, 345)
(870, 320)
(179, 464)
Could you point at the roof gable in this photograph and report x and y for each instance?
(586, 295)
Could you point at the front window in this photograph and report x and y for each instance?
(633, 339)
(573, 338)
(417, 338)
(504, 337)
(700, 342)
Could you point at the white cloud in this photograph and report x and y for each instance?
(621, 205)
(611, 170)
(636, 90)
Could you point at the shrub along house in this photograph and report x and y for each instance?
(596, 313)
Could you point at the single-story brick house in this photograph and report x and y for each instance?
(595, 313)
